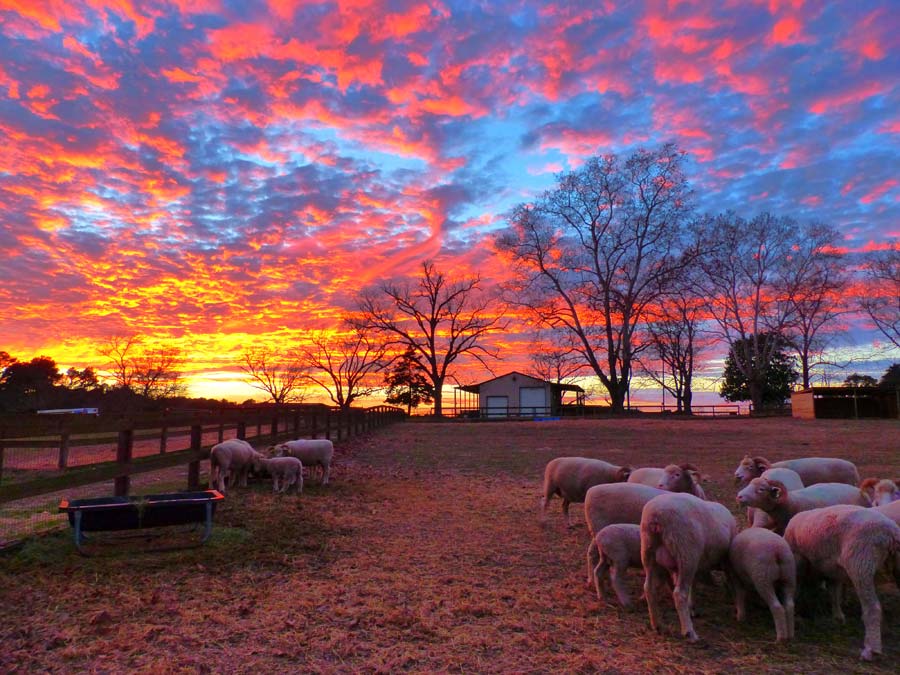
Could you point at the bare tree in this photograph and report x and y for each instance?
(153, 371)
(279, 374)
(555, 357)
(816, 282)
(882, 300)
(591, 255)
(748, 284)
(439, 318)
(344, 365)
(675, 331)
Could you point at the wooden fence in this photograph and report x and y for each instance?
(56, 441)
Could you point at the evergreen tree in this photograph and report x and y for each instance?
(891, 377)
(407, 384)
(857, 380)
(776, 376)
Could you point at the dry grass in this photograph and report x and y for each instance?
(425, 554)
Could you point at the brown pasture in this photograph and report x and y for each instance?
(425, 554)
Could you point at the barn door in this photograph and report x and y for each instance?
(497, 406)
(533, 401)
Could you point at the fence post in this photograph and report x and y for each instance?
(314, 431)
(163, 439)
(194, 466)
(341, 418)
(2, 435)
(63, 450)
(221, 432)
(296, 423)
(275, 420)
(328, 424)
(241, 430)
(123, 457)
(258, 424)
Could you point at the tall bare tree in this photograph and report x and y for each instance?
(555, 357)
(277, 373)
(153, 371)
(344, 365)
(748, 279)
(816, 280)
(441, 319)
(881, 273)
(591, 255)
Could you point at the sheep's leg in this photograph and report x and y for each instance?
(788, 591)
(740, 599)
(864, 583)
(593, 559)
(565, 507)
(779, 616)
(682, 597)
(275, 483)
(652, 583)
(600, 572)
(617, 577)
(326, 472)
(836, 591)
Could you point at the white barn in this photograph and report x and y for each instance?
(515, 395)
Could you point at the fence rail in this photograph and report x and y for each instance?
(38, 458)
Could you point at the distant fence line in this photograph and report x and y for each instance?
(530, 412)
(41, 456)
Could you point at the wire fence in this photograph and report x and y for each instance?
(121, 457)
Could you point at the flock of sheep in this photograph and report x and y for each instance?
(235, 458)
(811, 521)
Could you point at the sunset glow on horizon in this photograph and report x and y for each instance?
(224, 175)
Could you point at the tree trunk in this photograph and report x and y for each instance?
(438, 402)
(756, 395)
(617, 393)
(686, 401)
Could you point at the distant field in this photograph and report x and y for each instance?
(425, 554)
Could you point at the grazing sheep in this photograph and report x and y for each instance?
(848, 543)
(879, 492)
(572, 477)
(681, 536)
(232, 458)
(781, 504)
(812, 470)
(285, 471)
(313, 452)
(618, 547)
(613, 503)
(762, 560)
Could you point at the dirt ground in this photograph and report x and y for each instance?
(425, 554)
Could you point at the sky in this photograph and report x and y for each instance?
(225, 174)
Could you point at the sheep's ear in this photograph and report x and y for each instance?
(624, 473)
(687, 466)
(775, 491)
(761, 464)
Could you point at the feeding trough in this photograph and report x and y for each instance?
(139, 512)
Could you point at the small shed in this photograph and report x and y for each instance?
(845, 402)
(516, 395)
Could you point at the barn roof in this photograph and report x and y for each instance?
(555, 386)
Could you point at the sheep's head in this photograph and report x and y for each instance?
(279, 450)
(762, 493)
(879, 492)
(258, 461)
(623, 473)
(750, 468)
(679, 478)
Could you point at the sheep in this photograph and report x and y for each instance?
(892, 511)
(674, 478)
(572, 477)
(790, 479)
(618, 547)
(682, 535)
(646, 475)
(781, 504)
(762, 560)
(234, 458)
(315, 452)
(285, 471)
(879, 492)
(812, 470)
(848, 543)
(613, 503)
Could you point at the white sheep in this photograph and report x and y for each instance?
(781, 504)
(681, 536)
(789, 478)
(285, 472)
(847, 543)
(618, 548)
(762, 560)
(892, 511)
(232, 458)
(572, 477)
(879, 492)
(812, 470)
(313, 452)
(613, 503)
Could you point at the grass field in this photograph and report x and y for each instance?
(425, 554)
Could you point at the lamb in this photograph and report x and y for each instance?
(781, 504)
(285, 471)
(613, 503)
(618, 547)
(314, 452)
(233, 458)
(848, 543)
(681, 536)
(572, 477)
(812, 470)
(762, 560)
(879, 492)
